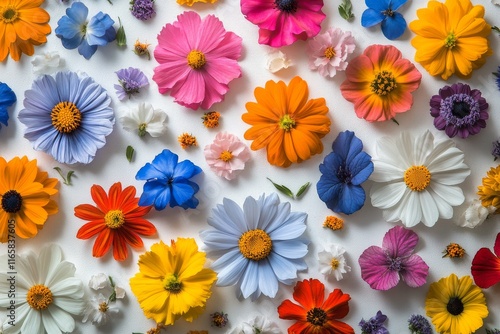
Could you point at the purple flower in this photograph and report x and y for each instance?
(495, 151)
(375, 325)
(142, 9)
(131, 80)
(458, 110)
(497, 77)
(417, 324)
(382, 267)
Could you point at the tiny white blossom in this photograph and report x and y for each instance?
(332, 261)
(145, 119)
(120, 292)
(276, 61)
(99, 281)
(475, 214)
(257, 325)
(46, 63)
(98, 310)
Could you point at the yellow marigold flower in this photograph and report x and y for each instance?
(211, 119)
(191, 2)
(172, 283)
(451, 38)
(334, 223)
(454, 250)
(489, 192)
(141, 49)
(187, 140)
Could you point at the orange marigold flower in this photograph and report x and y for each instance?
(334, 223)
(211, 119)
(22, 24)
(380, 82)
(141, 49)
(116, 220)
(454, 250)
(285, 122)
(489, 191)
(187, 140)
(451, 38)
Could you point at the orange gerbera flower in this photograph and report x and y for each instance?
(286, 123)
(22, 24)
(25, 195)
(315, 315)
(117, 220)
(380, 82)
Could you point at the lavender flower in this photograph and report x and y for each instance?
(417, 324)
(131, 80)
(375, 325)
(496, 149)
(142, 9)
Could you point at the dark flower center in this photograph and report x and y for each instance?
(460, 109)
(316, 316)
(395, 264)
(11, 201)
(383, 83)
(288, 6)
(130, 86)
(344, 174)
(388, 12)
(455, 306)
(9, 15)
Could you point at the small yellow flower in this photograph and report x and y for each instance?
(141, 49)
(187, 140)
(489, 192)
(334, 223)
(454, 250)
(191, 2)
(211, 119)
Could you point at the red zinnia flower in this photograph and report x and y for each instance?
(486, 266)
(315, 315)
(117, 220)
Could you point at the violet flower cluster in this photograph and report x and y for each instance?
(142, 9)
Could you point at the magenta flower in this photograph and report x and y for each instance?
(382, 267)
(227, 155)
(198, 59)
(282, 22)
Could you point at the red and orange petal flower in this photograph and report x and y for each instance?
(25, 197)
(22, 24)
(314, 314)
(286, 123)
(380, 82)
(116, 220)
(486, 266)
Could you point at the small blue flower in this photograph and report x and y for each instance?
(384, 11)
(343, 171)
(417, 324)
(168, 182)
(131, 81)
(7, 98)
(76, 32)
(375, 325)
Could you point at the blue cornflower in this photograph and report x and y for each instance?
(343, 171)
(375, 325)
(76, 32)
(7, 98)
(168, 182)
(393, 23)
(417, 324)
(67, 116)
(256, 246)
(131, 80)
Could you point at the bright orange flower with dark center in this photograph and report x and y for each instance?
(315, 315)
(117, 220)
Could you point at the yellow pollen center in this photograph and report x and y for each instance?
(172, 283)
(334, 263)
(226, 156)
(66, 117)
(255, 244)
(329, 52)
(450, 41)
(196, 59)
(103, 307)
(417, 178)
(39, 297)
(9, 14)
(114, 219)
(287, 123)
(383, 84)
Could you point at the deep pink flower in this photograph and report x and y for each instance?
(198, 59)
(227, 155)
(382, 267)
(282, 22)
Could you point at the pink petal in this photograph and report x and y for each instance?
(230, 47)
(399, 242)
(189, 23)
(223, 70)
(191, 91)
(415, 271)
(169, 75)
(210, 34)
(375, 270)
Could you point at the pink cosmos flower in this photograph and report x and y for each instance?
(282, 22)
(382, 267)
(328, 51)
(227, 155)
(198, 59)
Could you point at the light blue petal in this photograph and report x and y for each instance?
(268, 209)
(220, 220)
(378, 5)
(78, 12)
(218, 240)
(292, 227)
(394, 26)
(235, 214)
(371, 17)
(250, 280)
(86, 50)
(230, 267)
(280, 218)
(252, 213)
(283, 268)
(268, 283)
(97, 29)
(290, 249)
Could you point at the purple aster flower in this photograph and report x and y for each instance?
(382, 267)
(142, 9)
(458, 110)
(131, 80)
(375, 325)
(417, 324)
(495, 151)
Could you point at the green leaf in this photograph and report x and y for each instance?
(302, 189)
(345, 10)
(282, 188)
(67, 179)
(129, 153)
(121, 38)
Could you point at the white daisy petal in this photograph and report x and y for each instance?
(430, 212)
(386, 196)
(63, 320)
(33, 323)
(453, 195)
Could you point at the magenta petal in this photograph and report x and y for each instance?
(191, 91)
(375, 270)
(415, 271)
(399, 242)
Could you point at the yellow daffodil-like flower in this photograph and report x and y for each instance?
(489, 192)
(172, 283)
(191, 2)
(451, 38)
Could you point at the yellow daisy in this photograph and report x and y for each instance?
(489, 192)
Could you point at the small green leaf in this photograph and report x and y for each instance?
(395, 121)
(282, 188)
(67, 179)
(495, 28)
(345, 10)
(129, 153)
(121, 38)
(302, 189)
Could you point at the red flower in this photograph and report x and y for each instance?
(117, 220)
(486, 266)
(315, 315)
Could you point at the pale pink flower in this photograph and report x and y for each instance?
(227, 155)
(198, 59)
(328, 51)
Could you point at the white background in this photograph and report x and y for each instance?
(362, 229)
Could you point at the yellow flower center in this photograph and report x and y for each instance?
(334, 223)
(142, 129)
(66, 117)
(334, 263)
(255, 244)
(196, 59)
(286, 123)
(450, 41)
(9, 14)
(39, 297)
(417, 178)
(103, 307)
(329, 52)
(383, 84)
(225, 156)
(114, 219)
(172, 283)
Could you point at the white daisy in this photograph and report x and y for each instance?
(99, 310)
(47, 294)
(257, 325)
(475, 214)
(145, 119)
(332, 261)
(417, 178)
(46, 63)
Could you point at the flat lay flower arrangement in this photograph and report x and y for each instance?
(253, 166)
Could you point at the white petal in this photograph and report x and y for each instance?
(385, 196)
(430, 211)
(450, 194)
(33, 323)
(63, 320)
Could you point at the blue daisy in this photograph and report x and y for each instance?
(7, 98)
(257, 246)
(168, 182)
(343, 171)
(384, 11)
(67, 116)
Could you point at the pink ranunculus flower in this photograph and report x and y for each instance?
(198, 59)
(282, 22)
(227, 155)
(382, 267)
(328, 51)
